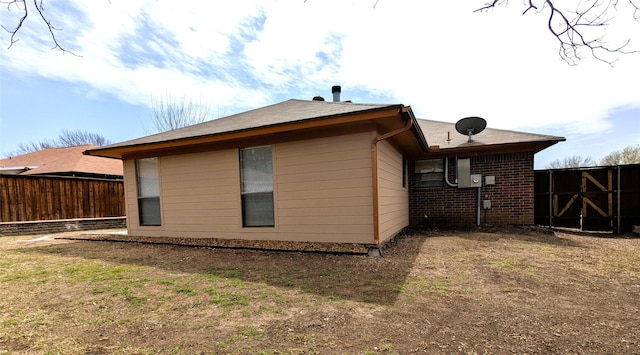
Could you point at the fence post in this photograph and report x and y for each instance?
(550, 198)
(618, 204)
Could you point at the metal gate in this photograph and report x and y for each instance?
(591, 199)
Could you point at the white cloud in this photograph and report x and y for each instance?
(442, 58)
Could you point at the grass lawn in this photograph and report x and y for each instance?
(436, 292)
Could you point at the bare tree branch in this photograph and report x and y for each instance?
(72, 138)
(628, 155)
(20, 22)
(39, 6)
(571, 28)
(636, 8)
(531, 6)
(574, 161)
(65, 139)
(169, 114)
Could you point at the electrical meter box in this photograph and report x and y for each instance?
(465, 178)
(476, 180)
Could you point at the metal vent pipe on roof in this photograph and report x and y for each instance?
(336, 90)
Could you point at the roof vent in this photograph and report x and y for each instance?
(318, 98)
(336, 90)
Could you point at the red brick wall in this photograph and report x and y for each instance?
(511, 197)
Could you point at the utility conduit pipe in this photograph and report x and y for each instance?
(446, 173)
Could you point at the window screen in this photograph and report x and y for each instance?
(429, 173)
(256, 181)
(148, 183)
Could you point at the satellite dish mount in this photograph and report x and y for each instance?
(471, 125)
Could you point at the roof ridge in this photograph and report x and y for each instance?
(347, 102)
(66, 147)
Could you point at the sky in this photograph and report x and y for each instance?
(443, 59)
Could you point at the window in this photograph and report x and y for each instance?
(148, 182)
(429, 173)
(256, 186)
(404, 172)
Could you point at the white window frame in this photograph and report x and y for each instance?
(256, 187)
(148, 192)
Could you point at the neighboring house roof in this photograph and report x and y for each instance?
(61, 161)
(442, 136)
(290, 116)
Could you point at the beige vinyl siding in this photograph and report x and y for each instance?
(130, 193)
(198, 198)
(393, 199)
(322, 193)
(200, 193)
(324, 189)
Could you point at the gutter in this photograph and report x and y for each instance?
(374, 168)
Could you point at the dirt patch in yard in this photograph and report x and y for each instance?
(522, 291)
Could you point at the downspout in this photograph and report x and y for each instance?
(374, 172)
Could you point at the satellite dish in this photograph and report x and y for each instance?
(470, 126)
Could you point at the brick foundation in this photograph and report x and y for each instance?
(511, 197)
(61, 225)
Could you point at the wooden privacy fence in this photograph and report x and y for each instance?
(592, 199)
(34, 198)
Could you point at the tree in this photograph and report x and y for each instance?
(73, 138)
(65, 139)
(577, 29)
(38, 6)
(628, 155)
(582, 29)
(169, 114)
(575, 161)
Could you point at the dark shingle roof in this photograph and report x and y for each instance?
(438, 133)
(289, 111)
(296, 111)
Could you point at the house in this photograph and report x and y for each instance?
(66, 161)
(315, 173)
(501, 159)
(60, 184)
